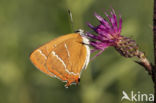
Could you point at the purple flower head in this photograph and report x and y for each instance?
(108, 32)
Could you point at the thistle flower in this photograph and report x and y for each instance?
(109, 34)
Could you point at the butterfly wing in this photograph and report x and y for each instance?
(39, 56)
(68, 59)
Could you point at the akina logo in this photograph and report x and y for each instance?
(137, 96)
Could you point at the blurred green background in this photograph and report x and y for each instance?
(27, 24)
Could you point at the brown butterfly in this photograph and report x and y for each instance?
(64, 57)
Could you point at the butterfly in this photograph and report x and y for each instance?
(64, 57)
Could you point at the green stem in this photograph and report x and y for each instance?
(154, 36)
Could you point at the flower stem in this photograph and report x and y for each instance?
(154, 36)
(144, 62)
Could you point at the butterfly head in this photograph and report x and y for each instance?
(80, 31)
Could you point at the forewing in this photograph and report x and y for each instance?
(39, 56)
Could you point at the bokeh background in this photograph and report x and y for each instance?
(27, 24)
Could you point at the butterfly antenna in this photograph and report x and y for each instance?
(71, 19)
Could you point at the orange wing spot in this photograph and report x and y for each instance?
(72, 79)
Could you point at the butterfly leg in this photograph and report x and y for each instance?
(67, 84)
